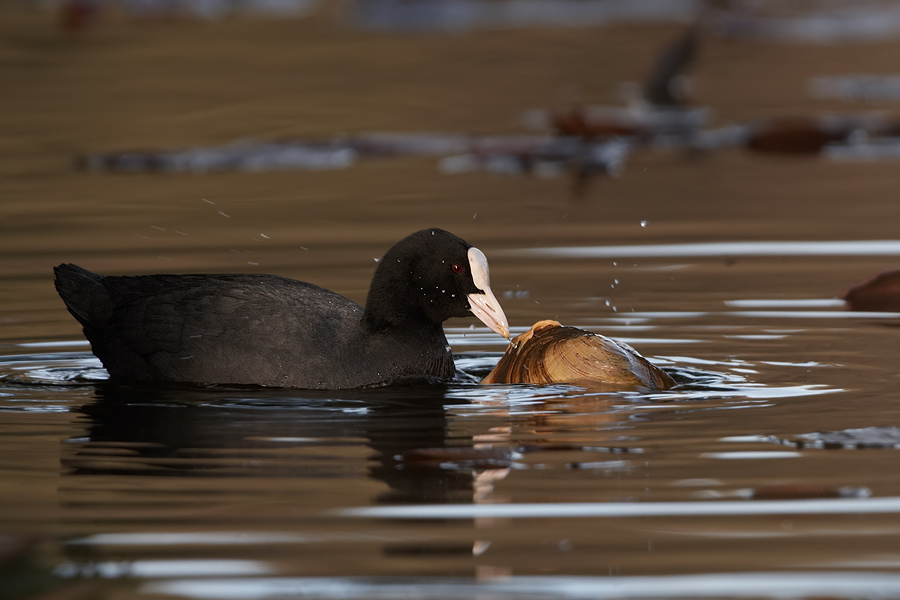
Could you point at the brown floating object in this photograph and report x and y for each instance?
(879, 294)
(552, 353)
(809, 135)
(793, 136)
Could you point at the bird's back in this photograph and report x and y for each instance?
(239, 329)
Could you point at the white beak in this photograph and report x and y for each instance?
(485, 305)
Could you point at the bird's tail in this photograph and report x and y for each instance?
(84, 294)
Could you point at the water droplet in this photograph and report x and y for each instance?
(615, 264)
(264, 236)
(644, 222)
(608, 303)
(377, 260)
(616, 281)
(224, 214)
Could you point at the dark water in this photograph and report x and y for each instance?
(770, 472)
(728, 486)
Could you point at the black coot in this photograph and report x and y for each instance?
(272, 331)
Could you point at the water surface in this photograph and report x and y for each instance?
(769, 472)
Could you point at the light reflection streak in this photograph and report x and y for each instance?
(781, 303)
(164, 568)
(59, 344)
(787, 391)
(750, 455)
(847, 584)
(720, 249)
(810, 363)
(189, 538)
(707, 362)
(764, 314)
(628, 509)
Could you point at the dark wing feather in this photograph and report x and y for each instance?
(215, 328)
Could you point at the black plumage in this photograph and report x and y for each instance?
(272, 331)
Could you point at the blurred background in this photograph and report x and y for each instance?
(304, 137)
(703, 180)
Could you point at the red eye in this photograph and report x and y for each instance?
(457, 269)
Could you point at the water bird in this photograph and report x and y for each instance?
(552, 353)
(271, 331)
